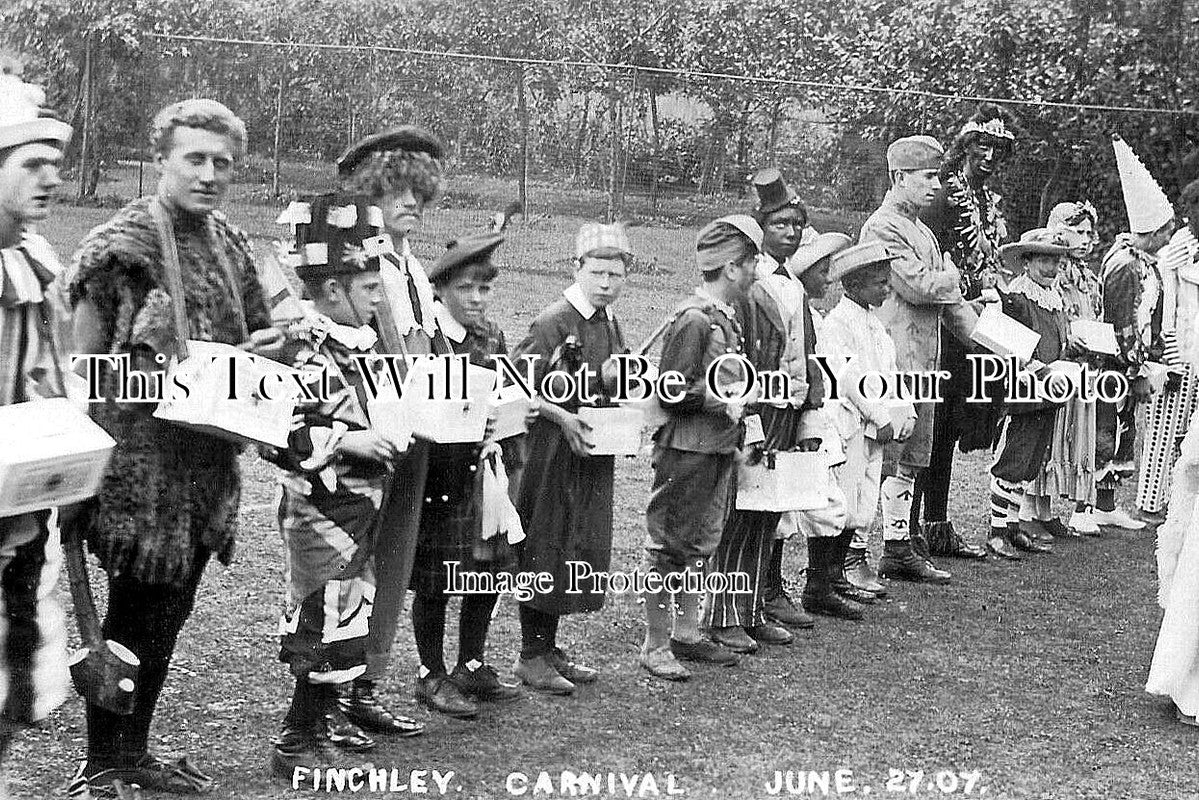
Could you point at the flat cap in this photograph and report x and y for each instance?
(860, 256)
(405, 137)
(915, 152)
(474, 248)
(723, 240)
(602, 241)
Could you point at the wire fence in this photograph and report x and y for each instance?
(662, 149)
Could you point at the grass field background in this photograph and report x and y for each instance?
(1030, 673)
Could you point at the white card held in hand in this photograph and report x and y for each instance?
(1098, 337)
(753, 430)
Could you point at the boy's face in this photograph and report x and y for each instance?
(815, 279)
(601, 280)
(782, 231)
(872, 287)
(465, 297)
(918, 186)
(352, 300)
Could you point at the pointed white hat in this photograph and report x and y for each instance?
(1147, 205)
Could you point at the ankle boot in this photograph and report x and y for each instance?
(859, 572)
(901, 561)
(818, 594)
(841, 584)
(294, 747)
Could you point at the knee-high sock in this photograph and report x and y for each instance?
(1005, 502)
(305, 708)
(428, 628)
(897, 492)
(659, 609)
(538, 632)
(686, 619)
(473, 623)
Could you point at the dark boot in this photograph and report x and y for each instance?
(818, 594)
(901, 561)
(360, 705)
(294, 747)
(841, 584)
(1024, 542)
(943, 540)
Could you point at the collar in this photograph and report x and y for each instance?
(904, 208)
(1043, 296)
(727, 309)
(26, 269)
(454, 330)
(362, 338)
(574, 295)
(851, 306)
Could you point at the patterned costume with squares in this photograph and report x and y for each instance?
(328, 513)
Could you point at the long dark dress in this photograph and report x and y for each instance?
(565, 501)
(449, 520)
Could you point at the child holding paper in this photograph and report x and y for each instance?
(451, 522)
(336, 468)
(1032, 300)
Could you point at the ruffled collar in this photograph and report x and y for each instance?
(1043, 296)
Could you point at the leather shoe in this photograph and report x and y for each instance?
(770, 634)
(944, 540)
(439, 693)
(540, 674)
(782, 609)
(734, 638)
(999, 545)
(575, 673)
(1022, 541)
(831, 604)
(901, 561)
(294, 747)
(483, 685)
(859, 573)
(361, 706)
(661, 663)
(1036, 530)
(850, 592)
(704, 652)
(345, 734)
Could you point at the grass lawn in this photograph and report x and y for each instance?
(1030, 674)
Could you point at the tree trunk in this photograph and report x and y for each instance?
(656, 139)
(278, 130)
(522, 113)
(86, 145)
(613, 152)
(776, 113)
(581, 136)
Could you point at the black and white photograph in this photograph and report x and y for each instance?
(581, 398)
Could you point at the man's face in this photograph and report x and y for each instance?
(1043, 267)
(815, 278)
(745, 273)
(983, 156)
(1152, 242)
(194, 174)
(919, 186)
(601, 280)
(782, 231)
(28, 178)
(352, 300)
(873, 287)
(465, 297)
(402, 211)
